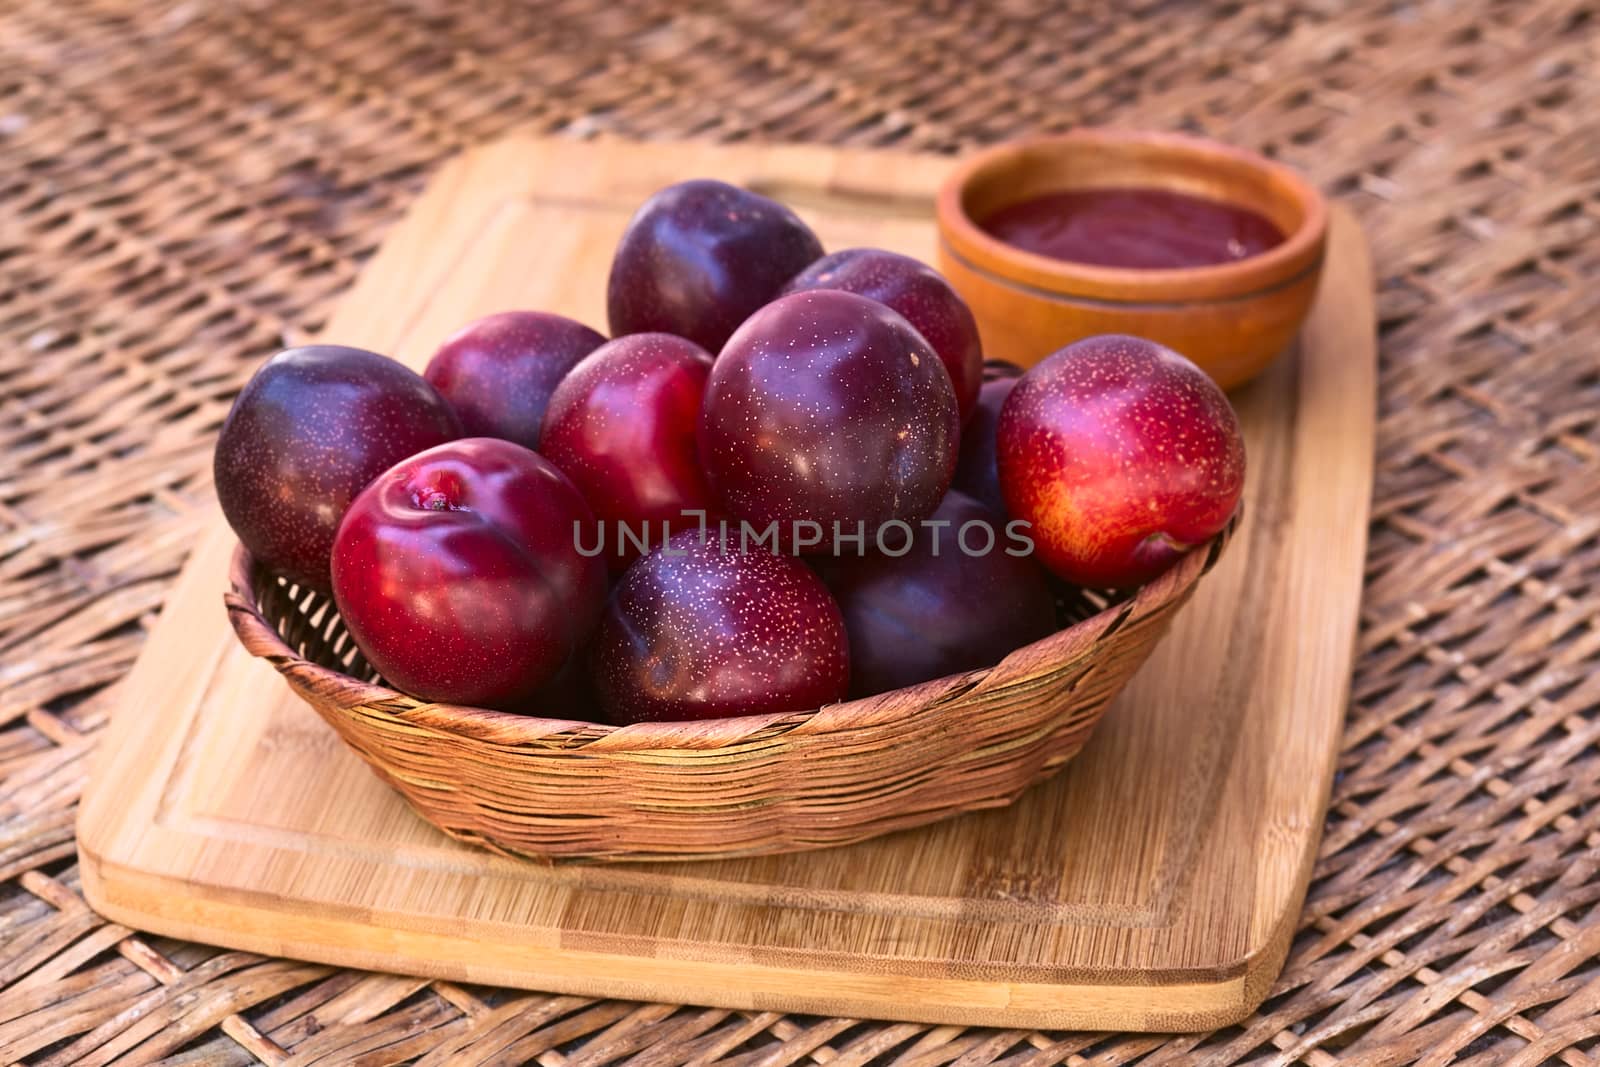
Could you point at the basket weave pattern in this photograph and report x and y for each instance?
(184, 186)
(558, 790)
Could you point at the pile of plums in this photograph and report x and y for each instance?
(787, 478)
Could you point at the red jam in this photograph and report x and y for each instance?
(1148, 229)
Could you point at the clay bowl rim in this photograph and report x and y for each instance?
(1301, 252)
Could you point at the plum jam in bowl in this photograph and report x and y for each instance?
(1208, 249)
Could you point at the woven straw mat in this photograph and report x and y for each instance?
(185, 187)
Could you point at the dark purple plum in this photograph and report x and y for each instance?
(696, 632)
(829, 408)
(949, 604)
(977, 473)
(700, 257)
(622, 427)
(919, 293)
(499, 371)
(457, 574)
(306, 434)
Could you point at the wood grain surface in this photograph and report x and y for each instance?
(1153, 885)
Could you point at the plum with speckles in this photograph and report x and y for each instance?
(828, 407)
(700, 257)
(498, 372)
(698, 631)
(956, 601)
(977, 473)
(457, 574)
(309, 430)
(622, 427)
(1122, 455)
(921, 295)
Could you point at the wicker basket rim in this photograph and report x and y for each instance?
(260, 638)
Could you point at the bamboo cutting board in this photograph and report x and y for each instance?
(1153, 885)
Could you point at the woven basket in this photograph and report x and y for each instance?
(560, 790)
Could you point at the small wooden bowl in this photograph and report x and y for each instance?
(1232, 319)
(555, 790)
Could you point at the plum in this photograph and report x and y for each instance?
(700, 257)
(498, 372)
(827, 407)
(622, 426)
(1122, 455)
(977, 473)
(458, 575)
(919, 293)
(305, 435)
(963, 596)
(694, 631)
